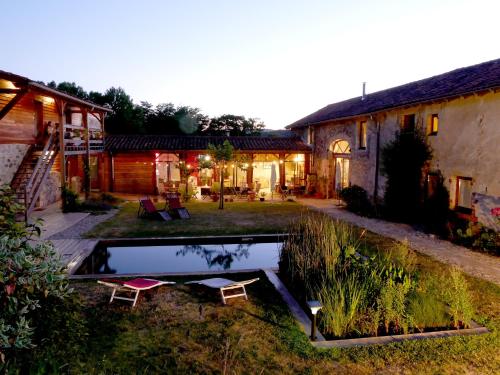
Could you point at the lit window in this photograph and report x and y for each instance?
(408, 123)
(434, 124)
(362, 135)
(464, 193)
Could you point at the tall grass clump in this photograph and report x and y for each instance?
(321, 259)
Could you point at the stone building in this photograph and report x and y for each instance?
(459, 112)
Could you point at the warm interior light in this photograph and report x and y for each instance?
(189, 165)
(207, 157)
(281, 161)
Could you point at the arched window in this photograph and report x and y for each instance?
(340, 147)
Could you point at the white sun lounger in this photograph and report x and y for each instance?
(224, 285)
(135, 285)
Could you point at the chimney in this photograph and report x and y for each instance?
(363, 97)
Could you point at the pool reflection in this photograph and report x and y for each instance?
(180, 258)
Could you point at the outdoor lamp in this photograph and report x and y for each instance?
(315, 306)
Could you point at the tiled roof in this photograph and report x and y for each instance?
(199, 143)
(455, 83)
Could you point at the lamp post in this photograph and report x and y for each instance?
(315, 306)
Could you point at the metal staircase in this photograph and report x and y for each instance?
(34, 169)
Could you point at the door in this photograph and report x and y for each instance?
(341, 179)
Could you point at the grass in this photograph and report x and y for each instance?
(185, 330)
(206, 219)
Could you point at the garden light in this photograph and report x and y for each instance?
(315, 306)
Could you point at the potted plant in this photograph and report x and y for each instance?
(77, 140)
(262, 196)
(215, 191)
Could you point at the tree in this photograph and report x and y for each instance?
(220, 155)
(233, 125)
(402, 162)
(126, 118)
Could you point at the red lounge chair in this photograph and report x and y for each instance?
(135, 285)
(147, 208)
(175, 206)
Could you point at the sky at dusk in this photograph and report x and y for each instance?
(274, 60)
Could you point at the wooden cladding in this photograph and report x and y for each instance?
(133, 173)
(20, 124)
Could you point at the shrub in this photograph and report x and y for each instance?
(357, 200)
(402, 162)
(30, 275)
(479, 237)
(70, 200)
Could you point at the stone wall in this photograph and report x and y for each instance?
(11, 156)
(51, 190)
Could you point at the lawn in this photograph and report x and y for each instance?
(183, 329)
(206, 219)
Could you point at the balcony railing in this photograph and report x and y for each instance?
(75, 143)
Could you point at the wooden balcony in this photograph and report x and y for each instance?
(76, 142)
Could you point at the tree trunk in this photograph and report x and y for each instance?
(221, 195)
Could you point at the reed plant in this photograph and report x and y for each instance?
(365, 295)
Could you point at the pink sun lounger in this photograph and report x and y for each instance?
(135, 285)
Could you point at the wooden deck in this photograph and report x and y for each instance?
(74, 251)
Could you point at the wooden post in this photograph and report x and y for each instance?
(86, 160)
(282, 169)
(61, 105)
(250, 172)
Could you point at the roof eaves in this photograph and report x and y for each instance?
(388, 108)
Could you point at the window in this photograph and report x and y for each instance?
(408, 123)
(310, 135)
(434, 124)
(362, 135)
(464, 194)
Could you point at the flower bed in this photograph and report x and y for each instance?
(362, 296)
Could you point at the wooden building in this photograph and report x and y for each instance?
(46, 138)
(148, 164)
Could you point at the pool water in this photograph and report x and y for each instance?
(181, 258)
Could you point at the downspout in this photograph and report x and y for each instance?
(377, 162)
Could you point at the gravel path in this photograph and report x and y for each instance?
(83, 226)
(476, 264)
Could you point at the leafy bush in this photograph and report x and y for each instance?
(479, 237)
(30, 275)
(357, 200)
(402, 162)
(70, 200)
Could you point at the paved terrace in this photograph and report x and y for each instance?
(476, 264)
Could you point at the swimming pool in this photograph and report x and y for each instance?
(183, 255)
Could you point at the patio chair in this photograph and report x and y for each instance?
(147, 208)
(175, 206)
(133, 286)
(283, 191)
(224, 285)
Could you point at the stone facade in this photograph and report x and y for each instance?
(51, 190)
(466, 145)
(11, 156)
